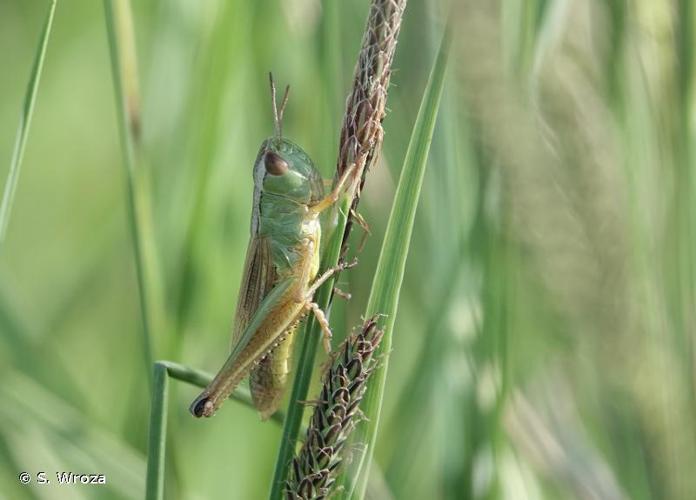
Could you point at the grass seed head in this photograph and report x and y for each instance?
(314, 469)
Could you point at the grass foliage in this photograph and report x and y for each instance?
(25, 122)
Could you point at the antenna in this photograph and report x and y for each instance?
(278, 113)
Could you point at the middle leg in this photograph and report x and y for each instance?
(323, 323)
(327, 274)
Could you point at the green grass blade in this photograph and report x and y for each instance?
(157, 439)
(24, 123)
(384, 295)
(119, 23)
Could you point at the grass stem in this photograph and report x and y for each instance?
(157, 439)
(119, 23)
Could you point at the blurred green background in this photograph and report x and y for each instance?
(544, 346)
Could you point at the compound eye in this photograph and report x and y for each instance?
(275, 165)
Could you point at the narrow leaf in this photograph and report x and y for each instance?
(24, 123)
(386, 285)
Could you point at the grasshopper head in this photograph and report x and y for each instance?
(284, 169)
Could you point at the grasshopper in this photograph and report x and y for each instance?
(280, 272)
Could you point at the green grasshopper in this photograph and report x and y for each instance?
(282, 263)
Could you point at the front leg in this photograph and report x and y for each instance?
(332, 197)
